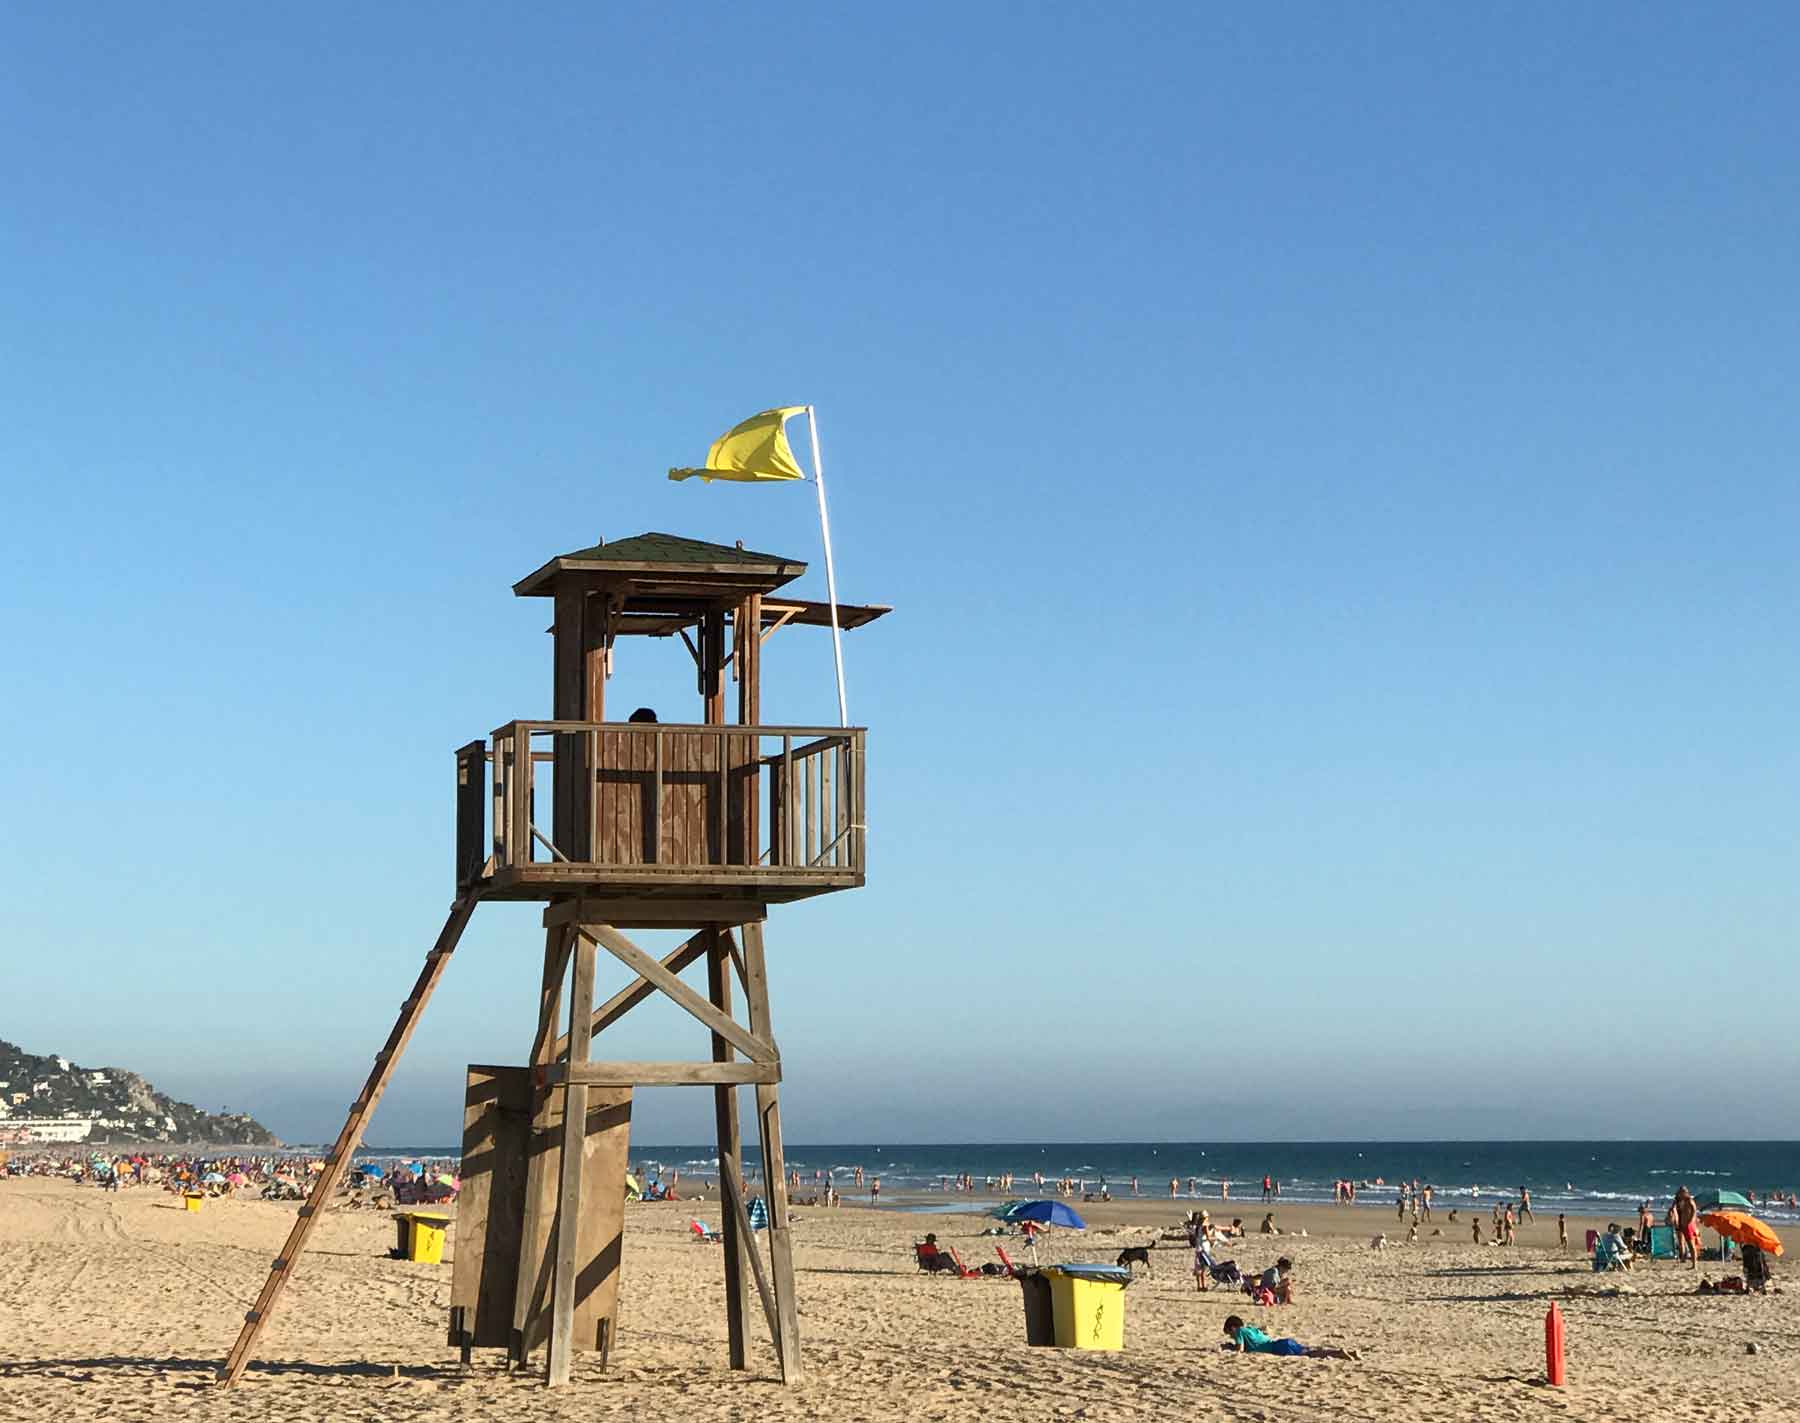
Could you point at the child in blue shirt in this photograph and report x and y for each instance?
(1248, 1339)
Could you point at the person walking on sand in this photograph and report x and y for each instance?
(874, 1190)
(1687, 1229)
(1202, 1237)
(1174, 1187)
(1268, 1185)
(1525, 1205)
(1425, 1201)
(1562, 1232)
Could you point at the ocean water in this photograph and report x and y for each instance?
(1581, 1177)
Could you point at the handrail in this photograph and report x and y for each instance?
(695, 803)
(650, 728)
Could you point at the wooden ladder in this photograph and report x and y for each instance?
(338, 1162)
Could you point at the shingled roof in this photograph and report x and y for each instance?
(655, 553)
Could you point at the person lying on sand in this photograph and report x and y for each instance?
(1245, 1338)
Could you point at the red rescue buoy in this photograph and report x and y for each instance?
(1553, 1347)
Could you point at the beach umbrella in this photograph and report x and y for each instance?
(1049, 1213)
(1726, 1200)
(1742, 1228)
(237, 1178)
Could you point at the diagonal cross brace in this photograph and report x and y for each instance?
(627, 998)
(755, 1048)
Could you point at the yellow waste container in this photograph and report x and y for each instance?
(1088, 1305)
(193, 1199)
(422, 1235)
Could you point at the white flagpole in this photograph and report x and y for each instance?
(837, 638)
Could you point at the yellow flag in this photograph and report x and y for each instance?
(753, 452)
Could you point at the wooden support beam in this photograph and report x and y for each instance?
(712, 666)
(768, 1117)
(338, 1161)
(653, 972)
(737, 959)
(781, 620)
(741, 1216)
(645, 912)
(568, 1204)
(662, 1074)
(559, 944)
(731, 1162)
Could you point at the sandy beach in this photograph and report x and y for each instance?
(120, 1305)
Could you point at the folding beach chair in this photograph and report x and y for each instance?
(962, 1271)
(703, 1234)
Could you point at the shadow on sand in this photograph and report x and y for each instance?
(83, 1370)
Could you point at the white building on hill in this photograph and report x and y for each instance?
(51, 1128)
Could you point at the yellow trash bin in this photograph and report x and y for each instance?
(1088, 1305)
(193, 1199)
(422, 1235)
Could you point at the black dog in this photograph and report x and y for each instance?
(1138, 1255)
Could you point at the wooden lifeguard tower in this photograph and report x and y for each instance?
(696, 826)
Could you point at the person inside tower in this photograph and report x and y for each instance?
(643, 714)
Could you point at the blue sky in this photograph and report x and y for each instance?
(1334, 468)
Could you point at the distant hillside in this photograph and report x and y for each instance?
(53, 1099)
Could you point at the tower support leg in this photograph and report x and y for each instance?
(558, 945)
(768, 1118)
(574, 1152)
(731, 1156)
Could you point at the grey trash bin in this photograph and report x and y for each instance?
(1040, 1318)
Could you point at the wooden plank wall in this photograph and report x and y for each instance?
(490, 1207)
(600, 1243)
(691, 813)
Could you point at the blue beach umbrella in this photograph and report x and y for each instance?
(1049, 1213)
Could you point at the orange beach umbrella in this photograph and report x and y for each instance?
(1742, 1228)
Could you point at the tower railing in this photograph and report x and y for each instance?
(652, 799)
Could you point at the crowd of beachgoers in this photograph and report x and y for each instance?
(208, 1173)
